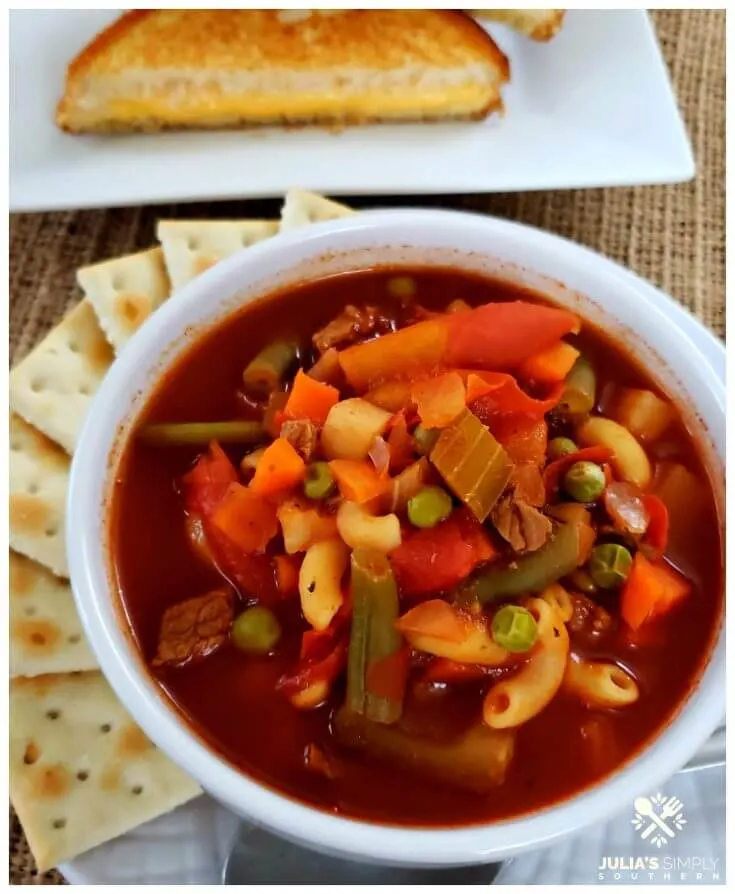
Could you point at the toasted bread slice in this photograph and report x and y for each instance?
(157, 69)
(538, 24)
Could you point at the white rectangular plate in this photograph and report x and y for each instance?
(592, 108)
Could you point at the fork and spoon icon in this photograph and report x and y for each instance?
(671, 808)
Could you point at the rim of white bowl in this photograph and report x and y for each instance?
(670, 749)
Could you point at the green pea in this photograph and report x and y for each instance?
(318, 482)
(429, 507)
(584, 481)
(425, 439)
(559, 447)
(583, 581)
(256, 630)
(609, 565)
(514, 628)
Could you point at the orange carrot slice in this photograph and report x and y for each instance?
(439, 400)
(287, 575)
(433, 618)
(310, 399)
(279, 469)
(358, 481)
(652, 589)
(246, 519)
(550, 365)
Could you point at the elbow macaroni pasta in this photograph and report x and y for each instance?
(515, 700)
(320, 582)
(476, 647)
(360, 530)
(558, 598)
(629, 459)
(600, 684)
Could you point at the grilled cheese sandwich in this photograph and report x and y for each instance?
(159, 69)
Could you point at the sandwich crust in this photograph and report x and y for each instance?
(157, 69)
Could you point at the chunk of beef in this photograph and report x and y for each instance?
(327, 368)
(589, 620)
(521, 525)
(302, 435)
(193, 629)
(352, 325)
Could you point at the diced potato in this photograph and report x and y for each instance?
(628, 457)
(302, 525)
(249, 462)
(643, 413)
(685, 497)
(320, 582)
(360, 530)
(351, 428)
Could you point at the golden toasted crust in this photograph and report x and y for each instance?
(154, 69)
(538, 24)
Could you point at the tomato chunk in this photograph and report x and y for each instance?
(435, 559)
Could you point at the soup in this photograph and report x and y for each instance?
(417, 547)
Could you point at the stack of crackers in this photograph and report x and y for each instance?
(81, 771)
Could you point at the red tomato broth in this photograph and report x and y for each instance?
(231, 700)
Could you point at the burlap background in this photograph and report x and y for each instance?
(672, 235)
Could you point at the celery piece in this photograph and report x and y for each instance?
(476, 761)
(472, 463)
(373, 637)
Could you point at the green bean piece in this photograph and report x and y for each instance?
(268, 369)
(430, 506)
(176, 434)
(373, 637)
(584, 481)
(256, 630)
(583, 582)
(514, 628)
(559, 447)
(318, 481)
(476, 761)
(580, 388)
(425, 438)
(609, 565)
(532, 573)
